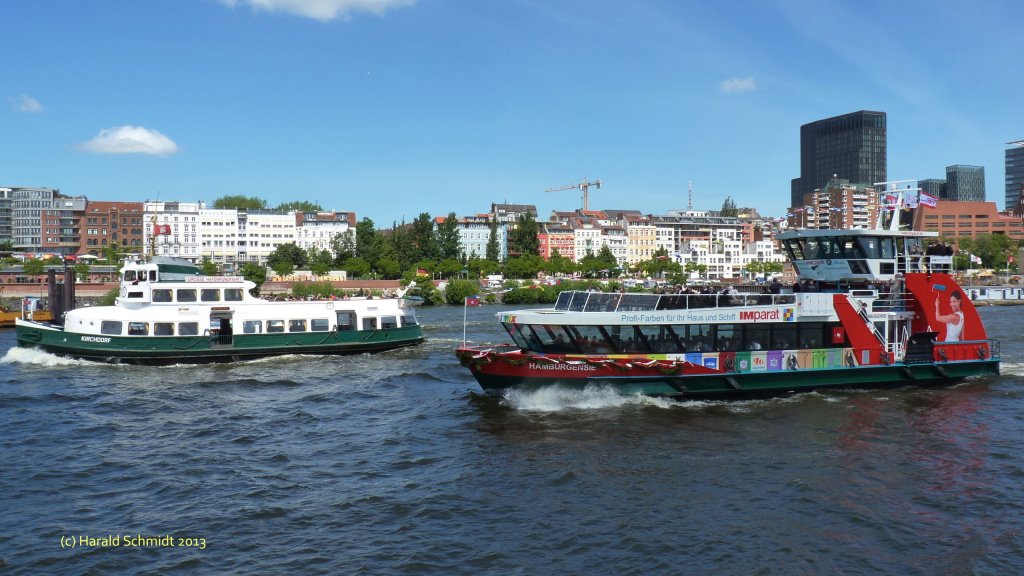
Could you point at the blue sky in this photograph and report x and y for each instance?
(390, 108)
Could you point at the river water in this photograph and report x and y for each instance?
(395, 464)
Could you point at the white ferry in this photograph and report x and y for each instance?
(167, 313)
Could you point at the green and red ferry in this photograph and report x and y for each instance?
(876, 311)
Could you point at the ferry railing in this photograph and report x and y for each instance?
(629, 302)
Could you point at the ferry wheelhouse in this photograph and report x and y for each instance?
(872, 309)
(167, 313)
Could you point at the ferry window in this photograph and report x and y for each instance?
(111, 327)
(296, 325)
(811, 335)
(388, 322)
(600, 302)
(783, 336)
(252, 326)
(700, 338)
(275, 326)
(830, 248)
(579, 299)
(188, 328)
(138, 329)
(513, 331)
(210, 295)
(135, 294)
(811, 249)
(319, 325)
(590, 340)
(888, 249)
(233, 294)
(636, 302)
(162, 295)
(554, 339)
(369, 323)
(660, 339)
(727, 337)
(163, 329)
(795, 252)
(409, 319)
(870, 247)
(563, 301)
(755, 337)
(152, 275)
(634, 343)
(187, 295)
(346, 320)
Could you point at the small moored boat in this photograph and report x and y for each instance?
(167, 313)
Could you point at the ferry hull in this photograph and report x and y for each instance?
(692, 381)
(207, 349)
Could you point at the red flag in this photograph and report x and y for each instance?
(472, 300)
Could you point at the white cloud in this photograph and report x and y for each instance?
(27, 104)
(130, 140)
(323, 10)
(739, 85)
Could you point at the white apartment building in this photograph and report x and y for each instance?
(318, 229)
(475, 232)
(179, 229)
(218, 235)
(263, 231)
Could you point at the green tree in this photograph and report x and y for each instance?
(254, 273)
(299, 206)
(82, 271)
(34, 267)
(320, 261)
(480, 267)
(493, 251)
(344, 245)
(525, 266)
(522, 239)
(449, 268)
(6, 248)
(388, 268)
(729, 208)
(607, 258)
(239, 203)
(456, 291)
(422, 237)
(290, 253)
(449, 242)
(207, 267)
(356, 267)
(283, 268)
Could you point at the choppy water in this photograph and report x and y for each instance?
(394, 464)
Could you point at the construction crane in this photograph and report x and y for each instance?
(582, 186)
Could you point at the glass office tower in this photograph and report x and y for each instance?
(850, 147)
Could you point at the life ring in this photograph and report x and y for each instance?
(330, 305)
(981, 353)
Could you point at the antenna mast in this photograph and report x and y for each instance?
(689, 204)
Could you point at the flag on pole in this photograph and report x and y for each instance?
(928, 200)
(975, 259)
(473, 300)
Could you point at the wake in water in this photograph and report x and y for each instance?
(35, 357)
(1011, 368)
(591, 397)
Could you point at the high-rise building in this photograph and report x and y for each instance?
(965, 183)
(1014, 175)
(6, 229)
(851, 147)
(934, 187)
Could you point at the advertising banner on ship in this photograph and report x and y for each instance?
(758, 361)
(694, 358)
(710, 360)
(743, 362)
(775, 360)
(727, 361)
(946, 308)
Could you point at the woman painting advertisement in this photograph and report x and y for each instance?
(954, 321)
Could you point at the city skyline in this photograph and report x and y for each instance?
(391, 108)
